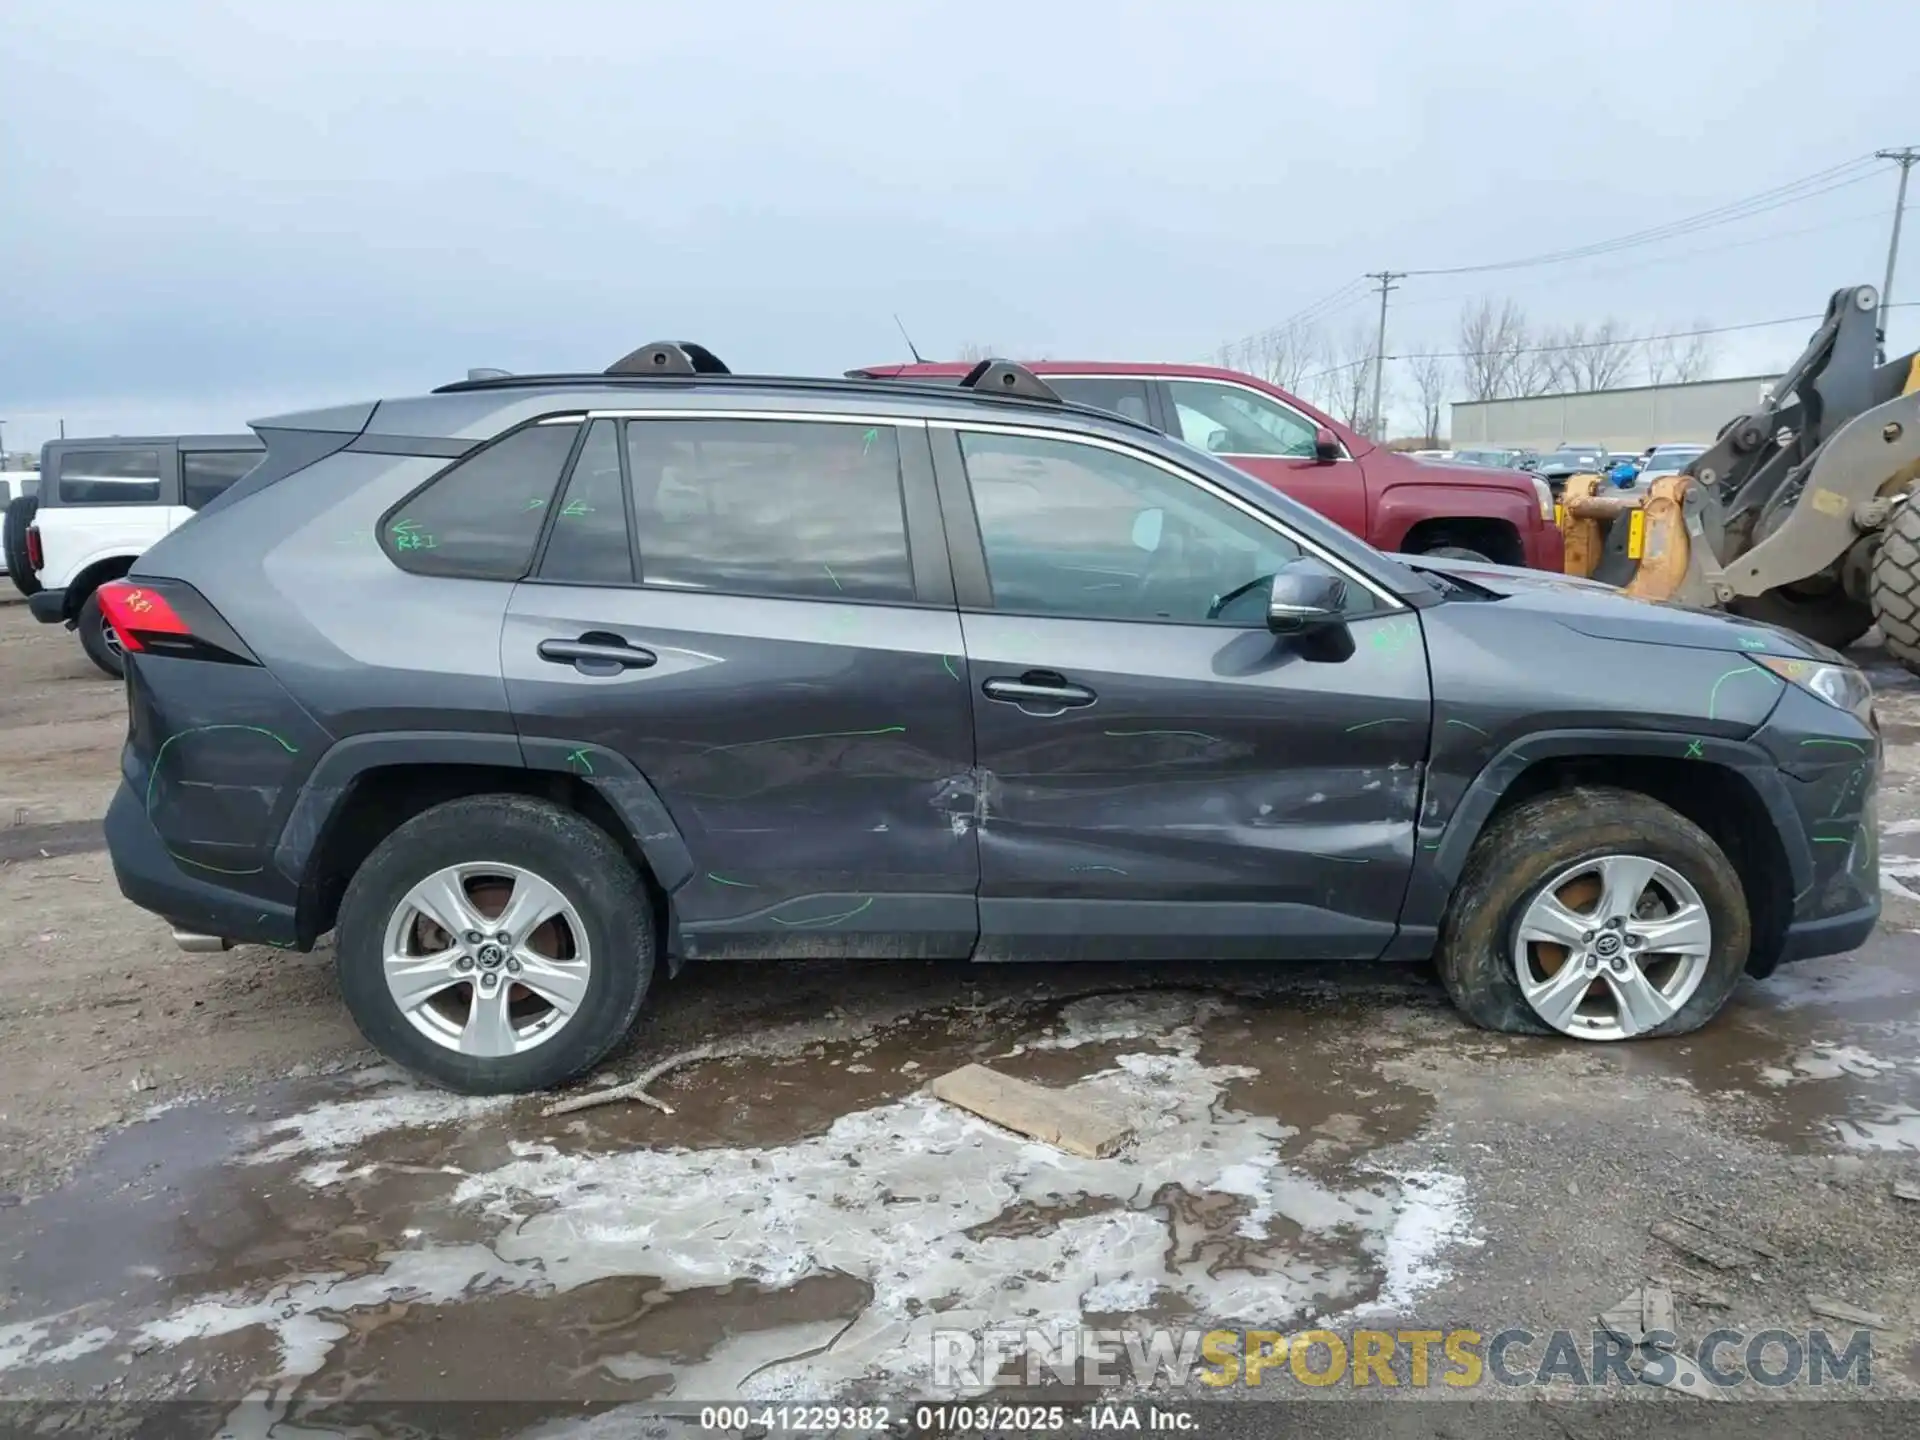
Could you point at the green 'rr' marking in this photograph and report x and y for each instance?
(580, 758)
(736, 884)
(1369, 724)
(1848, 744)
(863, 906)
(1693, 751)
(1713, 695)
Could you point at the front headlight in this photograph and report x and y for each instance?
(1841, 686)
(1545, 492)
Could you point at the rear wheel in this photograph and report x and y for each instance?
(1896, 586)
(1596, 913)
(98, 639)
(495, 945)
(13, 536)
(1827, 617)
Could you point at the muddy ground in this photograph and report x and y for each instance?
(209, 1189)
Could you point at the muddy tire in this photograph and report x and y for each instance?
(13, 536)
(98, 640)
(469, 1006)
(1896, 585)
(1832, 619)
(1522, 861)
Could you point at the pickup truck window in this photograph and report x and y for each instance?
(1227, 420)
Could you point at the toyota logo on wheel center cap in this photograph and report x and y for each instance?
(490, 957)
(1608, 945)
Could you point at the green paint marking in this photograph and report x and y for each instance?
(153, 775)
(1833, 839)
(1142, 734)
(1339, 859)
(415, 540)
(577, 508)
(947, 660)
(820, 920)
(818, 735)
(833, 577)
(581, 758)
(1431, 845)
(1752, 642)
(536, 502)
(405, 527)
(1110, 869)
(736, 884)
(1848, 744)
(1694, 751)
(1467, 725)
(866, 441)
(1713, 695)
(1369, 724)
(216, 869)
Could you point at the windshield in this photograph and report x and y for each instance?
(1572, 459)
(1670, 462)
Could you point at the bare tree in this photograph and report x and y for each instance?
(1354, 393)
(1680, 359)
(1432, 378)
(1600, 360)
(1492, 342)
(1549, 363)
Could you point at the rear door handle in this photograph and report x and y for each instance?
(597, 654)
(1037, 687)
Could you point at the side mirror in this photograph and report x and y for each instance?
(1326, 445)
(1305, 597)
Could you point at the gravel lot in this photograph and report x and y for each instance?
(209, 1189)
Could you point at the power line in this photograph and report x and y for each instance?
(1320, 309)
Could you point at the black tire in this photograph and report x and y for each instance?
(1831, 619)
(577, 858)
(1896, 586)
(1542, 837)
(1459, 552)
(13, 536)
(96, 638)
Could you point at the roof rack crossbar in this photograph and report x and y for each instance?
(669, 357)
(1004, 377)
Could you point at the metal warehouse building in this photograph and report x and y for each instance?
(1630, 419)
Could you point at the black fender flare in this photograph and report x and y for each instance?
(1440, 856)
(611, 774)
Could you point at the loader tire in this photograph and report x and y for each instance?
(1831, 619)
(1896, 586)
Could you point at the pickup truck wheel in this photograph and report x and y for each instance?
(13, 536)
(1896, 585)
(98, 640)
(495, 945)
(1595, 913)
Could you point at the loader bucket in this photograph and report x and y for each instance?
(1638, 542)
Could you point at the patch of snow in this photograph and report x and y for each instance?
(337, 1124)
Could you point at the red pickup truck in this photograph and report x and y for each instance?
(1391, 501)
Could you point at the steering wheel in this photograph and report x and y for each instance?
(1218, 608)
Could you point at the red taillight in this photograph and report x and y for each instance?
(134, 610)
(36, 557)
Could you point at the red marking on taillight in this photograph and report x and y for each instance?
(133, 609)
(36, 557)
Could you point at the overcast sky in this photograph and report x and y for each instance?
(213, 211)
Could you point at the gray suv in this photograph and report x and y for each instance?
(532, 687)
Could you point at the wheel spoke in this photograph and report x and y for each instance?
(413, 980)
(561, 983)
(1556, 998)
(1641, 1006)
(1626, 878)
(443, 900)
(1688, 931)
(1549, 922)
(489, 1028)
(532, 902)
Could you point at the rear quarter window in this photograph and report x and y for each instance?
(480, 519)
(109, 477)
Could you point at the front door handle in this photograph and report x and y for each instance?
(597, 654)
(1037, 687)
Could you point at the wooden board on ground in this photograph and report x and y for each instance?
(1029, 1109)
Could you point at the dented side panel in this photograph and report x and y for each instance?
(1222, 796)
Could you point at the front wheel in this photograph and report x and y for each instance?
(1598, 914)
(1895, 586)
(98, 639)
(495, 945)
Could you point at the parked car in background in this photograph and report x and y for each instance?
(1582, 460)
(102, 502)
(1669, 459)
(1495, 459)
(1392, 501)
(532, 688)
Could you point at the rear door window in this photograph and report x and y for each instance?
(1106, 392)
(479, 519)
(109, 477)
(802, 509)
(205, 473)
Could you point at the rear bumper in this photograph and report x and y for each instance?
(150, 876)
(49, 607)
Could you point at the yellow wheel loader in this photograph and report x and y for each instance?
(1798, 514)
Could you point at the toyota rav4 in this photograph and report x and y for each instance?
(533, 687)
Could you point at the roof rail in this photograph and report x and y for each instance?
(670, 357)
(1003, 377)
(487, 372)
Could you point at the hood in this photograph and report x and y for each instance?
(1591, 607)
(1457, 470)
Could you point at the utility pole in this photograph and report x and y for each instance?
(1386, 279)
(1904, 157)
